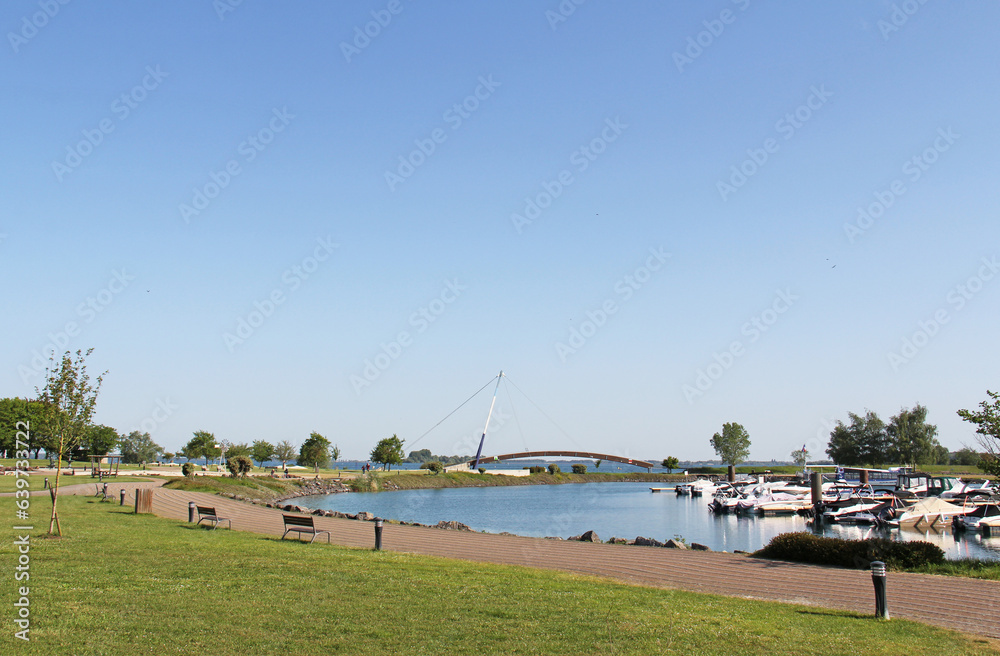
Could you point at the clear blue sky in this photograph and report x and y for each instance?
(119, 116)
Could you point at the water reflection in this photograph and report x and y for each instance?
(623, 510)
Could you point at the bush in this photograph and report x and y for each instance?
(536, 469)
(482, 470)
(188, 468)
(239, 466)
(855, 554)
(579, 469)
(433, 466)
(554, 469)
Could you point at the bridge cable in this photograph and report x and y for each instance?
(575, 443)
(453, 411)
(516, 420)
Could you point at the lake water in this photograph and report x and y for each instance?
(624, 510)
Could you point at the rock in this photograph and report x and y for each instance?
(589, 536)
(700, 547)
(617, 541)
(319, 512)
(675, 544)
(455, 526)
(647, 542)
(365, 516)
(740, 551)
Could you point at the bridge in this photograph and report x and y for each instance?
(564, 454)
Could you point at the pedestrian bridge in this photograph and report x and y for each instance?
(562, 454)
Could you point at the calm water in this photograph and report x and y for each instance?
(622, 510)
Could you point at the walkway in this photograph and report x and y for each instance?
(952, 602)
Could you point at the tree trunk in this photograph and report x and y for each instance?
(54, 528)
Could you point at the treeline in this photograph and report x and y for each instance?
(425, 455)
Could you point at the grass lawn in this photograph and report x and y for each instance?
(120, 583)
(37, 481)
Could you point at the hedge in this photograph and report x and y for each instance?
(855, 554)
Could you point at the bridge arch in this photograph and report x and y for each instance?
(565, 454)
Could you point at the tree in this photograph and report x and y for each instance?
(388, 451)
(987, 421)
(671, 463)
(239, 466)
(139, 447)
(241, 449)
(597, 464)
(800, 457)
(733, 445)
(864, 442)
(202, 445)
(261, 451)
(335, 453)
(315, 452)
(168, 456)
(68, 402)
(28, 412)
(284, 451)
(965, 456)
(911, 439)
(100, 440)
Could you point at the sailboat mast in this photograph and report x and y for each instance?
(490, 414)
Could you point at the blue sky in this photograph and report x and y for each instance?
(654, 217)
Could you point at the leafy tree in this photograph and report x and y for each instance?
(335, 453)
(241, 449)
(239, 466)
(14, 410)
(168, 456)
(987, 421)
(597, 464)
(733, 445)
(423, 455)
(139, 447)
(911, 439)
(284, 451)
(388, 451)
(965, 456)
(671, 463)
(433, 466)
(68, 401)
(261, 451)
(864, 442)
(800, 457)
(100, 440)
(315, 452)
(202, 445)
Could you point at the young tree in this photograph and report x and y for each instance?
(202, 445)
(671, 463)
(168, 456)
(800, 456)
(315, 452)
(911, 439)
(139, 447)
(864, 442)
(987, 421)
(733, 445)
(284, 451)
(388, 451)
(68, 401)
(261, 451)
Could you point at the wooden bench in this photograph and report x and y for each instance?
(207, 513)
(300, 524)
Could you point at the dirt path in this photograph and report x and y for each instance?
(957, 603)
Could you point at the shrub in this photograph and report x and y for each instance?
(856, 554)
(188, 468)
(482, 470)
(579, 469)
(536, 469)
(554, 468)
(433, 466)
(239, 466)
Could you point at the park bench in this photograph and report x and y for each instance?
(208, 514)
(300, 524)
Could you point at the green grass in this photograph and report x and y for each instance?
(970, 568)
(37, 482)
(121, 583)
(258, 487)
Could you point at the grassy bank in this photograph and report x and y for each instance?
(406, 480)
(122, 583)
(256, 487)
(37, 482)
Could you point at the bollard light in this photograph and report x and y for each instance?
(46, 483)
(878, 580)
(378, 534)
(121, 501)
(191, 512)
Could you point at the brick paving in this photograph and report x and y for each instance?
(967, 605)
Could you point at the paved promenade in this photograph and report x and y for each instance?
(967, 605)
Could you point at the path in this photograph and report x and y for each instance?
(952, 602)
